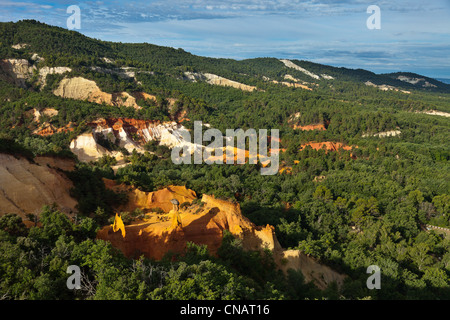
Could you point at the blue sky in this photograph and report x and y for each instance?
(414, 35)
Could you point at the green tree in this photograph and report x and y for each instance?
(12, 224)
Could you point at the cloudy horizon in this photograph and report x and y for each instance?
(414, 36)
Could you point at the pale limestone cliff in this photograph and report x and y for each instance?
(76, 88)
(300, 82)
(20, 46)
(83, 89)
(384, 87)
(36, 58)
(43, 72)
(17, 70)
(391, 133)
(290, 84)
(415, 81)
(86, 148)
(217, 80)
(20, 70)
(50, 112)
(326, 76)
(25, 186)
(436, 113)
(290, 64)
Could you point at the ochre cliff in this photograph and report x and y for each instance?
(318, 126)
(147, 201)
(328, 145)
(25, 186)
(47, 129)
(204, 224)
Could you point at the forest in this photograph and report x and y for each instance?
(348, 209)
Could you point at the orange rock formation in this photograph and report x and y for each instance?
(47, 129)
(128, 124)
(201, 224)
(151, 200)
(204, 224)
(118, 225)
(329, 146)
(319, 126)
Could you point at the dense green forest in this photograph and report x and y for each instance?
(348, 209)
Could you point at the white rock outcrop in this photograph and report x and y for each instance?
(391, 133)
(35, 57)
(43, 72)
(290, 64)
(384, 87)
(217, 80)
(80, 88)
(86, 148)
(50, 112)
(76, 88)
(19, 70)
(415, 81)
(436, 113)
(19, 46)
(326, 76)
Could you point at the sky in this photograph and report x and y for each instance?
(414, 35)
